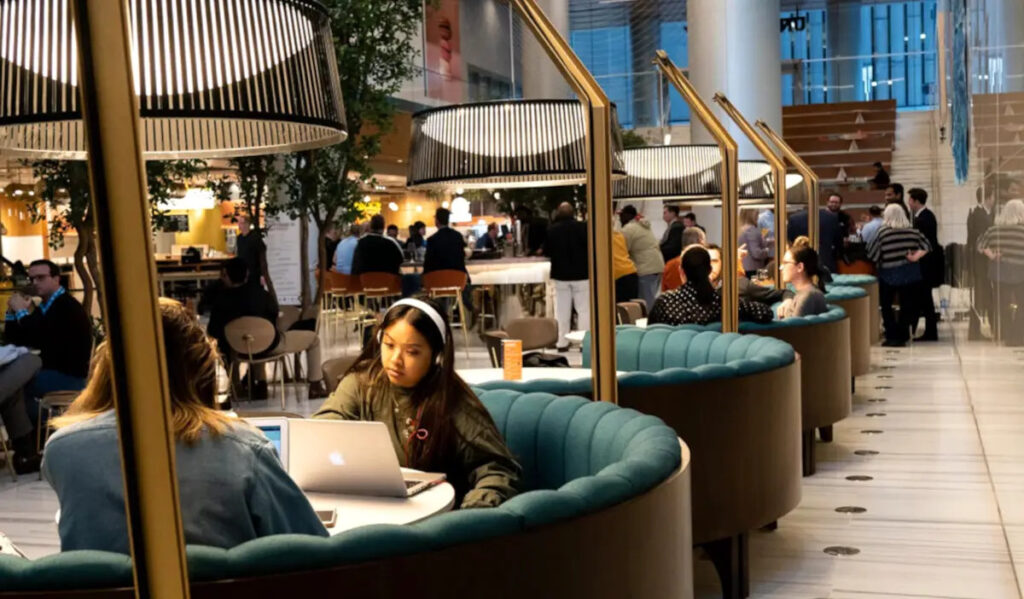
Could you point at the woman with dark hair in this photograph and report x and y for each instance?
(231, 484)
(800, 268)
(697, 301)
(406, 378)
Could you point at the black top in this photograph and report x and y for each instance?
(566, 246)
(933, 265)
(672, 247)
(331, 246)
(249, 248)
(228, 303)
(63, 335)
(536, 234)
(830, 235)
(978, 221)
(377, 253)
(445, 251)
(881, 179)
(681, 306)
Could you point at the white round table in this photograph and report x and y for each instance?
(475, 376)
(575, 337)
(362, 510)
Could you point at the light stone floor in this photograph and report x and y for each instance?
(944, 509)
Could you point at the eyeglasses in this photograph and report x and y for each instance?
(38, 277)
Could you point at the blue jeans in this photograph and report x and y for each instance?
(44, 382)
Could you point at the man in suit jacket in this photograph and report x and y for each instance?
(830, 235)
(377, 253)
(979, 220)
(932, 265)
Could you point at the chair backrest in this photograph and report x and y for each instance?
(642, 305)
(493, 339)
(287, 316)
(634, 309)
(250, 335)
(335, 282)
(535, 333)
(622, 315)
(380, 284)
(336, 368)
(441, 281)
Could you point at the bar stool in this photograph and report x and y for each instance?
(378, 288)
(488, 305)
(341, 291)
(449, 283)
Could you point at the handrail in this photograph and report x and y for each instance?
(778, 171)
(598, 110)
(730, 186)
(810, 178)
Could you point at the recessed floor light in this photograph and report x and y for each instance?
(877, 400)
(851, 509)
(882, 388)
(865, 452)
(841, 550)
(875, 414)
(871, 431)
(859, 477)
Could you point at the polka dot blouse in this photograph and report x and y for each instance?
(682, 307)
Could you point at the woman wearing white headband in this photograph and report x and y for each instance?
(406, 379)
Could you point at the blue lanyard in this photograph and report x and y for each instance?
(46, 305)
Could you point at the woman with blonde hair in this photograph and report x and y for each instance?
(1003, 243)
(896, 250)
(231, 485)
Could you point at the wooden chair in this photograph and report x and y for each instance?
(340, 293)
(53, 403)
(5, 441)
(642, 305)
(629, 312)
(535, 333)
(248, 337)
(335, 369)
(450, 284)
(379, 287)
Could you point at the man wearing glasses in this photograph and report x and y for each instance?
(58, 328)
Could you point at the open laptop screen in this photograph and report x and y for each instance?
(273, 434)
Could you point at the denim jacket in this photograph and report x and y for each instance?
(232, 488)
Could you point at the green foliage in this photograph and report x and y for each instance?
(632, 139)
(163, 177)
(254, 176)
(62, 179)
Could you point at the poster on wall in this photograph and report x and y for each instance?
(284, 263)
(443, 55)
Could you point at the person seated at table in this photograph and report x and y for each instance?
(345, 252)
(376, 252)
(697, 301)
(59, 328)
(800, 269)
(17, 369)
(393, 234)
(446, 250)
(231, 484)
(489, 241)
(406, 379)
(671, 277)
(417, 240)
(747, 289)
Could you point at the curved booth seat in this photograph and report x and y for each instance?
(605, 512)
(856, 302)
(735, 400)
(823, 342)
(868, 283)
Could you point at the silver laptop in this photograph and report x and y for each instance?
(350, 458)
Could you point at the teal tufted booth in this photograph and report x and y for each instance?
(868, 283)
(856, 301)
(735, 400)
(823, 342)
(598, 479)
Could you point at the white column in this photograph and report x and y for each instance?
(1005, 37)
(540, 76)
(843, 18)
(734, 49)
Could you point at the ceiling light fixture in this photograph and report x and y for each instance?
(214, 78)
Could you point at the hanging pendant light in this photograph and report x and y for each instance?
(690, 173)
(214, 78)
(515, 143)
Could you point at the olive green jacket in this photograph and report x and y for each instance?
(485, 474)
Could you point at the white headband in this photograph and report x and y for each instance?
(426, 309)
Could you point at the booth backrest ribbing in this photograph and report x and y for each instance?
(856, 302)
(605, 513)
(868, 283)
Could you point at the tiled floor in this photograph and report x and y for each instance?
(944, 508)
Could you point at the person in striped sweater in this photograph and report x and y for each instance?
(1003, 243)
(896, 250)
